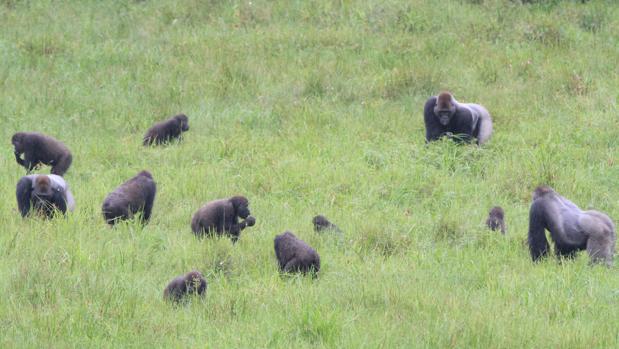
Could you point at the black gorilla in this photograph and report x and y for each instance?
(496, 219)
(294, 255)
(41, 149)
(222, 217)
(190, 283)
(322, 224)
(167, 130)
(444, 116)
(135, 195)
(570, 228)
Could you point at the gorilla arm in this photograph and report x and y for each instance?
(23, 193)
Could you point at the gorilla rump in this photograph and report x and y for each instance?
(222, 217)
(444, 116)
(41, 149)
(135, 195)
(184, 285)
(496, 219)
(44, 194)
(294, 255)
(165, 131)
(570, 228)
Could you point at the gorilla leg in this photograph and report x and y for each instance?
(62, 165)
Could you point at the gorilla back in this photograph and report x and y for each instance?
(571, 229)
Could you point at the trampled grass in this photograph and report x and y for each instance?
(307, 108)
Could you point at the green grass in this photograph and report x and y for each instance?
(306, 108)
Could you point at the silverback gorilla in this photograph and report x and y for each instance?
(496, 219)
(135, 195)
(444, 116)
(165, 131)
(190, 283)
(570, 228)
(44, 194)
(222, 217)
(41, 149)
(294, 255)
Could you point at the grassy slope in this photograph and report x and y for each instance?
(310, 108)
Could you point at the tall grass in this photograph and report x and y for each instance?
(308, 108)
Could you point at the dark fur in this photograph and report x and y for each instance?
(496, 219)
(165, 131)
(294, 255)
(222, 217)
(190, 283)
(321, 224)
(41, 149)
(40, 197)
(135, 195)
(463, 121)
(571, 229)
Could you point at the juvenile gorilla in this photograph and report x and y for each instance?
(444, 116)
(496, 219)
(322, 224)
(165, 131)
(41, 149)
(222, 217)
(190, 283)
(294, 255)
(44, 194)
(135, 195)
(570, 228)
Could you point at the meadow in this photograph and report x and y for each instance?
(310, 107)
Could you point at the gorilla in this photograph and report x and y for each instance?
(294, 255)
(321, 224)
(190, 283)
(41, 149)
(44, 194)
(135, 195)
(165, 131)
(496, 219)
(570, 228)
(444, 116)
(222, 217)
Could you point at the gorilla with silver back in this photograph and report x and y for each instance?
(570, 228)
(444, 116)
(43, 194)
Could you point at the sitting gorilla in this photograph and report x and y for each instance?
(570, 228)
(294, 255)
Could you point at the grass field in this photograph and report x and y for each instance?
(306, 108)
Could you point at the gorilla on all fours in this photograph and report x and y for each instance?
(444, 116)
(322, 224)
(41, 149)
(496, 219)
(294, 255)
(135, 195)
(44, 194)
(167, 130)
(184, 285)
(571, 229)
(222, 217)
